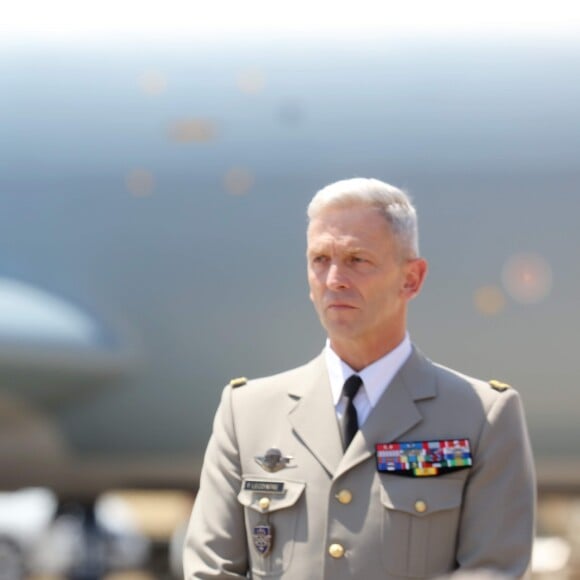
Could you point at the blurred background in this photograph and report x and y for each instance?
(155, 166)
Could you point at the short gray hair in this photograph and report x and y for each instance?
(394, 205)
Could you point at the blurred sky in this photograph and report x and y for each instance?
(174, 20)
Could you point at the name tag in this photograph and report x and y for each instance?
(265, 486)
(423, 458)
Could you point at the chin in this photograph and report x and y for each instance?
(341, 330)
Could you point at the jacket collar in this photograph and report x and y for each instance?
(314, 418)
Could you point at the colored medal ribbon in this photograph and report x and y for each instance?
(423, 458)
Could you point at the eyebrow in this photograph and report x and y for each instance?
(349, 251)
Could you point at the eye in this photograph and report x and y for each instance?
(319, 259)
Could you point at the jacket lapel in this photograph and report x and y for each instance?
(395, 413)
(314, 418)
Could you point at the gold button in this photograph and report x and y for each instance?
(344, 496)
(336, 550)
(264, 503)
(420, 506)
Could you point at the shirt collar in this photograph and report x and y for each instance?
(376, 377)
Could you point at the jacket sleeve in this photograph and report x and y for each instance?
(215, 544)
(497, 522)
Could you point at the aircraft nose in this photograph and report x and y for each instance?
(48, 341)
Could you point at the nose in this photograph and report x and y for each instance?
(336, 278)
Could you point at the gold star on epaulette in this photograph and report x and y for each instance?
(498, 385)
(240, 381)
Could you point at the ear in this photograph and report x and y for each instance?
(415, 271)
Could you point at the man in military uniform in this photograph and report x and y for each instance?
(370, 461)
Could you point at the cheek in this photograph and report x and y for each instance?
(314, 280)
(391, 292)
(312, 286)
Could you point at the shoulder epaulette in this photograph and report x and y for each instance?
(239, 382)
(498, 385)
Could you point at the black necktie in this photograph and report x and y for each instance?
(350, 419)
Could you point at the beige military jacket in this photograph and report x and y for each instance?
(327, 515)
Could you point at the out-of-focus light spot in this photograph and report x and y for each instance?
(527, 278)
(27, 512)
(489, 300)
(129, 575)
(155, 514)
(153, 83)
(291, 112)
(140, 182)
(192, 130)
(251, 81)
(550, 555)
(238, 180)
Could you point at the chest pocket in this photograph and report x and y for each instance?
(279, 510)
(420, 524)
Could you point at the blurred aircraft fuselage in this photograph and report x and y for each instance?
(152, 234)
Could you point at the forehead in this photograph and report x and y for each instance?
(349, 225)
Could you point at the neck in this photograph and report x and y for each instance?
(359, 356)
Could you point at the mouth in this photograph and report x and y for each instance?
(340, 306)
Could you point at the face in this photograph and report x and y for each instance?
(358, 283)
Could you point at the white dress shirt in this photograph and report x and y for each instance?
(376, 378)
